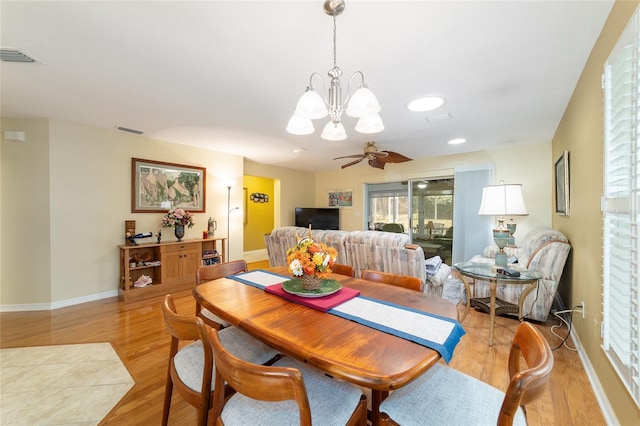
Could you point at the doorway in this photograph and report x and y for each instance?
(423, 209)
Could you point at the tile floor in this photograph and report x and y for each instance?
(65, 384)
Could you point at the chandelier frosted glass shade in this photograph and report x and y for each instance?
(311, 105)
(370, 124)
(300, 126)
(333, 132)
(363, 103)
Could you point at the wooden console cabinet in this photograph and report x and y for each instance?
(172, 266)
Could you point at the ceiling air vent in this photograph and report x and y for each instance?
(13, 55)
(126, 129)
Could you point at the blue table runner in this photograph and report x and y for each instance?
(433, 331)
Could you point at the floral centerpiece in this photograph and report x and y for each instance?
(311, 261)
(178, 218)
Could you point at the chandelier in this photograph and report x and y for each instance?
(311, 106)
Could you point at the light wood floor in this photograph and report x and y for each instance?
(138, 335)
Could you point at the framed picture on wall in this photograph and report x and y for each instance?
(562, 184)
(340, 198)
(157, 186)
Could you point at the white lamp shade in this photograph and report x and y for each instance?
(502, 200)
(311, 106)
(300, 126)
(333, 132)
(363, 103)
(369, 124)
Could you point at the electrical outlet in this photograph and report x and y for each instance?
(582, 308)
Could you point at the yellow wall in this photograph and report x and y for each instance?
(580, 132)
(259, 216)
(292, 188)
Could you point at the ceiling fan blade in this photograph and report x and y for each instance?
(377, 163)
(351, 156)
(353, 162)
(394, 157)
(380, 154)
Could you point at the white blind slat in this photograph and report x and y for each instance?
(621, 206)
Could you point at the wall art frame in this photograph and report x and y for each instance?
(340, 198)
(158, 186)
(562, 184)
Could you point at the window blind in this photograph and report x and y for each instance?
(621, 207)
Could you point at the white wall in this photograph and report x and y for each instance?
(66, 210)
(25, 227)
(528, 164)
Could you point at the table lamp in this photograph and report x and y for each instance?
(430, 226)
(502, 200)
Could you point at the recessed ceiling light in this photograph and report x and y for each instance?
(299, 150)
(456, 141)
(425, 104)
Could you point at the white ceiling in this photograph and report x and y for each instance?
(226, 75)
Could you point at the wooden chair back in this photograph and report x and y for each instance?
(341, 269)
(213, 272)
(187, 328)
(219, 270)
(530, 380)
(412, 283)
(265, 383)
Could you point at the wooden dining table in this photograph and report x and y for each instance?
(342, 348)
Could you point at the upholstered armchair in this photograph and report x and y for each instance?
(544, 250)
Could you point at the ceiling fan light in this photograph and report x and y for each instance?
(363, 103)
(311, 105)
(300, 126)
(333, 132)
(369, 124)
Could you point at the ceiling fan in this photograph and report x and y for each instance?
(376, 158)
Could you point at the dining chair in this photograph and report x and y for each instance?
(444, 396)
(210, 273)
(285, 393)
(190, 368)
(412, 283)
(342, 269)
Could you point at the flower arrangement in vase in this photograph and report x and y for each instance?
(311, 261)
(178, 218)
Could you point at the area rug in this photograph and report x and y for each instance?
(64, 384)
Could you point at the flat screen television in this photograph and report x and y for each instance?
(318, 218)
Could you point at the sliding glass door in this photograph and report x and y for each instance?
(432, 217)
(423, 209)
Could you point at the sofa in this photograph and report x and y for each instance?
(377, 250)
(544, 250)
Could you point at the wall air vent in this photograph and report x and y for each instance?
(13, 55)
(126, 129)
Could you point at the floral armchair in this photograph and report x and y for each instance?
(544, 250)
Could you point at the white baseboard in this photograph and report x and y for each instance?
(58, 304)
(255, 255)
(601, 396)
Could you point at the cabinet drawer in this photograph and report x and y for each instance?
(180, 247)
